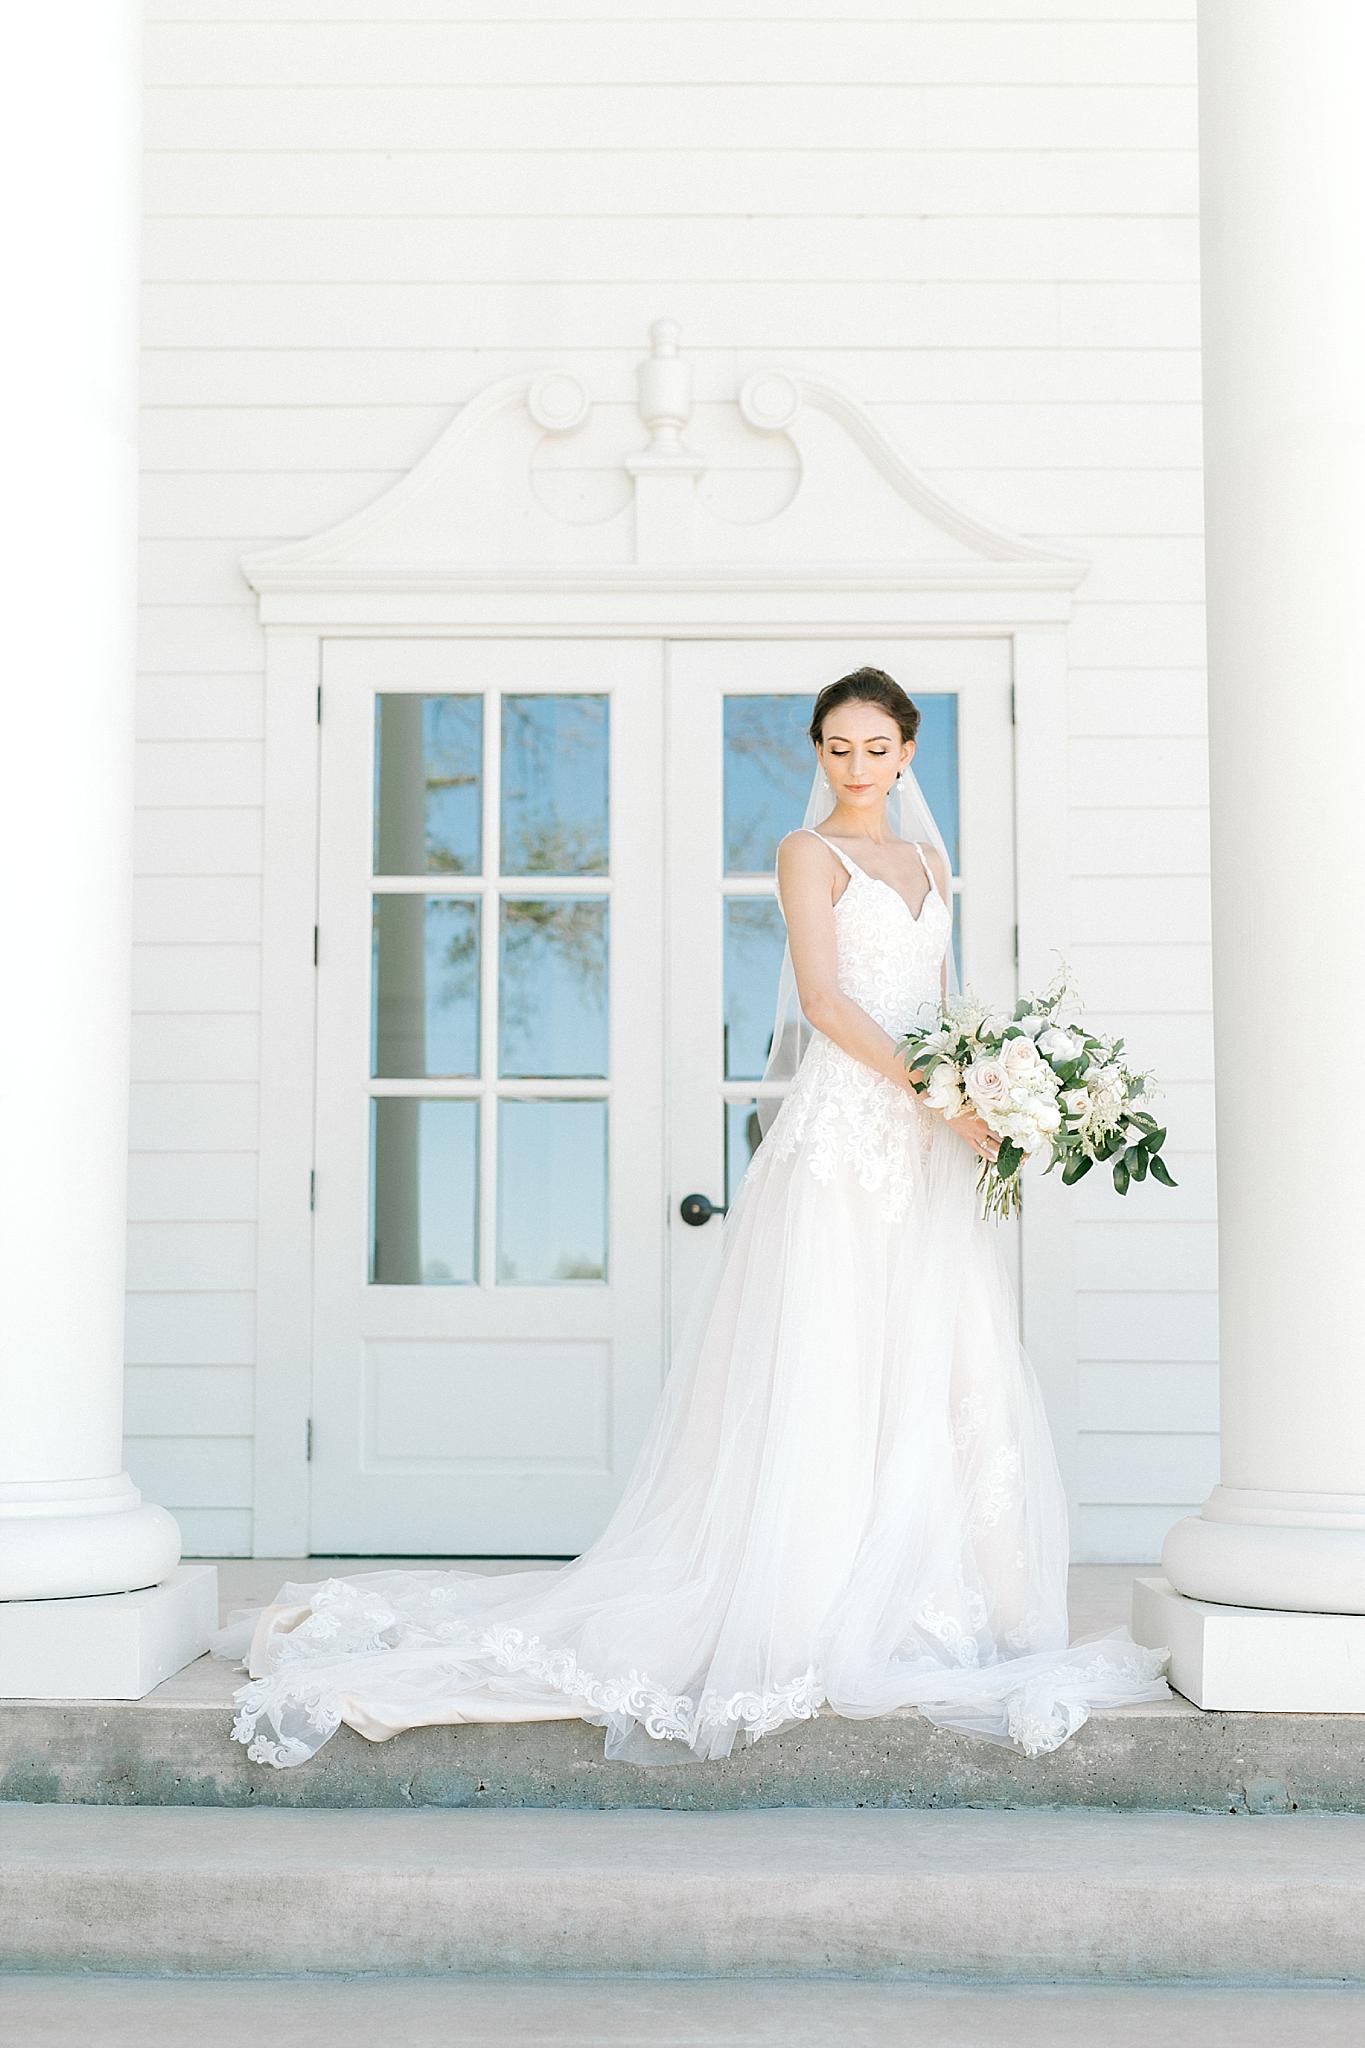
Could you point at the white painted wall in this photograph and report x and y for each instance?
(981, 216)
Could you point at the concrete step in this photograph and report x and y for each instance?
(174, 1747)
(73, 2012)
(963, 1895)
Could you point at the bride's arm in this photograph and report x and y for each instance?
(803, 875)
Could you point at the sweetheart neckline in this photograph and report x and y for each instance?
(915, 916)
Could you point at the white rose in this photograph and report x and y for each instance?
(1059, 1045)
(1020, 1058)
(995, 1025)
(1076, 1101)
(986, 1084)
(944, 1092)
(1033, 1025)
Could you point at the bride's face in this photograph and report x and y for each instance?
(862, 753)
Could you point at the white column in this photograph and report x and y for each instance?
(71, 1520)
(1282, 173)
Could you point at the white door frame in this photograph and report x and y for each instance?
(668, 566)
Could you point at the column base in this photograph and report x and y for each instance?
(107, 1646)
(1254, 1660)
(113, 1546)
(1254, 1550)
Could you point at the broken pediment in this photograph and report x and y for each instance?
(790, 480)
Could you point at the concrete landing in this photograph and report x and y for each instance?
(174, 1747)
(120, 2012)
(966, 1896)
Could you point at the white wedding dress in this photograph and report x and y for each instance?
(848, 1497)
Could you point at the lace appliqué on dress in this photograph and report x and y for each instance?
(838, 1111)
(343, 1621)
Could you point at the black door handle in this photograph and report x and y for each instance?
(699, 1209)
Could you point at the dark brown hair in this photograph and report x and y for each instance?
(866, 686)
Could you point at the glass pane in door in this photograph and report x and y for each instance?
(428, 784)
(424, 980)
(554, 799)
(552, 987)
(552, 1190)
(424, 1190)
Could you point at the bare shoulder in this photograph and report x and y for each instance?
(803, 859)
(802, 853)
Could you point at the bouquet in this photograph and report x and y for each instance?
(1041, 1082)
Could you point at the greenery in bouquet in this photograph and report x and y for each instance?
(1043, 1083)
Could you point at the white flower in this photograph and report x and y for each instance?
(1076, 1101)
(1020, 1058)
(995, 1025)
(986, 1084)
(1058, 1044)
(944, 1091)
(1033, 1025)
(1046, 1114)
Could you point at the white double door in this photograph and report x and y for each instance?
(547, 956)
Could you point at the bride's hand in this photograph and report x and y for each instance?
(977, 1133)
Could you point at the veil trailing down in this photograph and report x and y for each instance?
(848, 1498)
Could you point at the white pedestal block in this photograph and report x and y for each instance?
(107, 1646)
(1256, 1660)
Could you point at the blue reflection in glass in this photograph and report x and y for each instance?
(554, 784)
(935, 766)
(424, 981)
(552, 987)
(741, 1142)
(754, 936)
(428, 781)
(424, 1183)
(769, 761)
(552, 1190)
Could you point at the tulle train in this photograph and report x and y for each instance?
(848, 1498)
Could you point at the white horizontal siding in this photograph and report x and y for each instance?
(197, 977)
(552, 248)
(699, 113)
(404, 378)
(214, 1532)
(1120, 1395)
(1131, 1533)
(188, 1328)
(629, 12)
(191, 1187)
(191, 1255)
(188, 1400)
(355, 219)
(584, 53)
(620, 183)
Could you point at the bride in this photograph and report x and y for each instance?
(848, 1497)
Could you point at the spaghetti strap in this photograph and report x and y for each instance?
(933, 885)
(851, 865)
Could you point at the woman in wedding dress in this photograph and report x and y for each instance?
(848, 1497)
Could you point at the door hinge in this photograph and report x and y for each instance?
(308, 1442)
(312, 1187)
(315, 945)
(319, 703)
(1016, 945)
(1012, 717)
